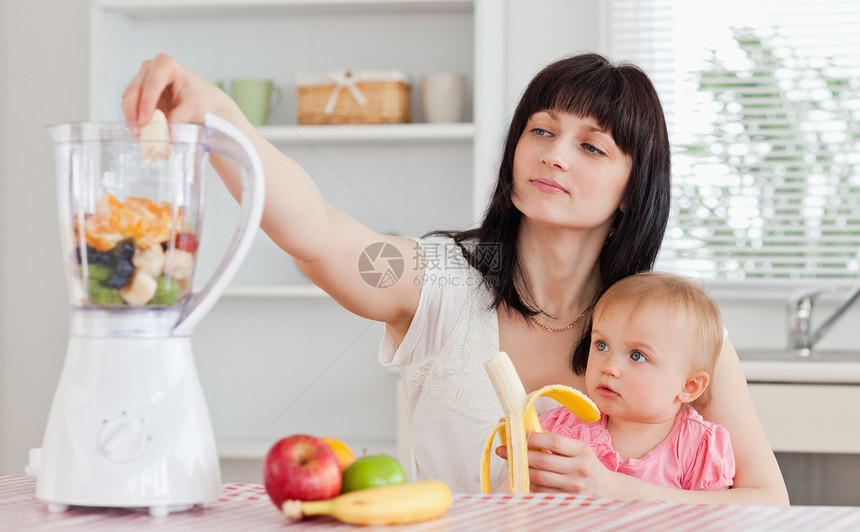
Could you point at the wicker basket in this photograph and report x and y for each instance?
(344, 97)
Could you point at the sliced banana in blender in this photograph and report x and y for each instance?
(155, 139)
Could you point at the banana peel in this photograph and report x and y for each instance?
(521, 418)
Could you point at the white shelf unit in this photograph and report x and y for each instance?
(276, 355)
(297, 290)
(288, 135)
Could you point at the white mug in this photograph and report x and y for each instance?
(443, 95)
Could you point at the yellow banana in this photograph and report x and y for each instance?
(384, 505)
(521, 418)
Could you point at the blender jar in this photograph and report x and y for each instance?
(130, 227)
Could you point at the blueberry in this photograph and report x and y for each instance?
(124, 268)
(125, 249)
(100, 258)
(116, 281)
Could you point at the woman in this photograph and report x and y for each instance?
(582, 201)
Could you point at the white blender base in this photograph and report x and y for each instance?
(129, 428)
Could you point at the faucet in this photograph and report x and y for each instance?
(801, 338)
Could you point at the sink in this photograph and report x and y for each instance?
(820, 366)
(781, 355)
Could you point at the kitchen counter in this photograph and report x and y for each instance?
(825, 367)
(247, 507)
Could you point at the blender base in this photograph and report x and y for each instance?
(129, 428)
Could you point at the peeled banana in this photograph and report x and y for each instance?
(521, 418)
(155, 139)
(393, 504)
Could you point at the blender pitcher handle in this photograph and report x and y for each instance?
(239, 149)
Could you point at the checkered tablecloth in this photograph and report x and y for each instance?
(247, 507)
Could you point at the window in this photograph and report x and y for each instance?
(762, 99)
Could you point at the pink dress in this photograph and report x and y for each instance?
(696, 455)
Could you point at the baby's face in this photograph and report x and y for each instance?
(639, 361)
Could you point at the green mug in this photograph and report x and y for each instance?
(254, 98)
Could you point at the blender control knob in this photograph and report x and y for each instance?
(122, 440)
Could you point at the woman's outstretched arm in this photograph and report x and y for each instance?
(325, 243)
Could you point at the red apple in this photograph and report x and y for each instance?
(301, 467)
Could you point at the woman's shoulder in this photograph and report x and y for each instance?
(445, 263)
(452, 298)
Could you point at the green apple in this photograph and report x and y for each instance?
(372, 471)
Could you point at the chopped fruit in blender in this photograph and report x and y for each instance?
(102, 258)
(104, 241)
(149, 260)
(125, 249)
(140, 219)
(124, 267)
(121, 274)
(155, 139)
(128, 243)
(116, 281)
(103, 295)
(186, 242)
(98, 273)
(181, 265)
(140, 290)
(166, 292)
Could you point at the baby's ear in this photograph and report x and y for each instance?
(693, 388)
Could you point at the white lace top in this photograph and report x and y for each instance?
(451, 403)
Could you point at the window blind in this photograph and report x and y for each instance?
(762, 99)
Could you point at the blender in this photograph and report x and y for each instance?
(129, 426)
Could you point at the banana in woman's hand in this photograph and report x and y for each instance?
(521, 418)
(155, 139)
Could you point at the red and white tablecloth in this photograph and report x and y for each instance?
(247, 507)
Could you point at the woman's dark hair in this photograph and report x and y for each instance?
(623, 102)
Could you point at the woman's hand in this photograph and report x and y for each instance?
(571, 468)
(183, 95)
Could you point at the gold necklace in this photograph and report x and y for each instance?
(560, 329)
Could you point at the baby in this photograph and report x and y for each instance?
(654, 342)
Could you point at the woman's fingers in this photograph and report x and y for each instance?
(151, 87)
(556, 443)
(162, 73)
(549, 441)
(131, 96)
(183, 95)
(559, 464)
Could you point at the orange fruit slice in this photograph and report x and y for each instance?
(344, 454)
(147, 222)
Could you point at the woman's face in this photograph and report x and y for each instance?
(568, 172)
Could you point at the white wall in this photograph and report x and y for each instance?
(3, 47)
(45, 46)
(541, 31)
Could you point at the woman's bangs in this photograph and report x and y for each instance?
(600, 101)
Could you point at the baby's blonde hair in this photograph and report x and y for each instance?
(677, 293)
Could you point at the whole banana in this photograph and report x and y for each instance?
(394, 504)
(521, 418)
